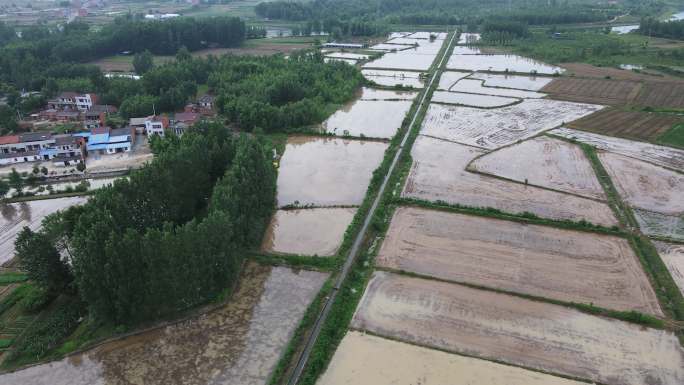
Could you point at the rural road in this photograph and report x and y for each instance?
(354, 251)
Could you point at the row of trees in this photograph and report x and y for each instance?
(667, 29)
(169, 237)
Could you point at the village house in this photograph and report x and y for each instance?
(105, 140)
(97, 116)
(156, 125)
(73, 101)
(182, 120)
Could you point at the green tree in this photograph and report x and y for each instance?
(143, 62)
(16, 181)
(4, 188)
(41, 261)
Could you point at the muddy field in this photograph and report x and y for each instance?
(448, 78)
(673, 256)
(652, 153)
(438, 173)
(238, 343)
(494, 128)
(541, 261)
(367, 359)
(472, 100)
(307, 231)
(629, 124)
(661, 94)
(531, 334)
(590, 71)
(368, 118)
(14, 216)
(599, 91)
(644, 185)
(394, 78)
(528, 83)
(326, 171)
(660, 225)
(500, 63)
(477, 86)
(544, 162)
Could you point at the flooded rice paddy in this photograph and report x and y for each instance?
(468, 38)
(673, 257)
(348, 55)
(14, 216)
(449, 78)
(402, 60)
(472, 100)
(390, 47)
(337, 59)
(518, 331)
(461, 50)
(660, 155)
(542, 261)
(394, 78)
(494, 128)
(307, 231)
(368, 93)
(240, 343)
(501, 63)
(381, 361)
(326, 171)
(544, 162)
(368, 118)
(529, 83)
(659, 224)
(477, 86)
(439, 173)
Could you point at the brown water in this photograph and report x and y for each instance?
(327, 171)
(239, 343)
(14, 216)
(368, 118)
(307, 231)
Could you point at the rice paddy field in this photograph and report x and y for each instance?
(529, 83)
(645, 126)
(673, 256)
(494, 128)
(478, 86)
(368, 118)
(472, 100)
(394, 78)
(501, 63)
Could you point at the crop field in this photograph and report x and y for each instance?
(368, 118)
(673, 257)
(380, 361)
(307, 231)
(662, 94)
(518, 331)
(599, 91)
(240, 342)
(468, 38)
(541, 261)
(494, 128)
(439, 173)
(659, 155)
(377, 94)
(629, 124)
(402, 60)
(14, 216)
(501, 63)
(389, 47)
(394, 78)
(448, 79)
(347, 55)
(463, 50)
(477, 86)
(644, 185)
(326, 171)
(659, 224)
(472, 100)
(528, 83)
(426, 35)
(544, 162)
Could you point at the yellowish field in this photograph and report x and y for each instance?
(541, 261)
(536, 335)
(366, 359)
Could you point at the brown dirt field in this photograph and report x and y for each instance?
(629, 124)
(531, 334)
(590, 71)
(599, 91)
(658, 94)
(367, 359)
(542, 261)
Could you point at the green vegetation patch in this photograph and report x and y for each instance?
(674, 136)
(12, 277)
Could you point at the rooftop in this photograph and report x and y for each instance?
(9, 139)
(34, 136)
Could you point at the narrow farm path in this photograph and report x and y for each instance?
(358, 241)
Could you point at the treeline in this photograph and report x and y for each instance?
(666, 29)
(503, 32)
(552, 16)
(169, 237)
(29, 61)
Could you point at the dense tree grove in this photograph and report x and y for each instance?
(666, 29)
(503, 32)
(170, 236)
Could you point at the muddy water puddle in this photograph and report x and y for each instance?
(368, 118)
(307, 231)
(367, 359)
(239, 343)
(544, 162)
(501, 63)
(543, 261)
(439, 173)
(327, 171)
(14, 216)
(518, 331)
